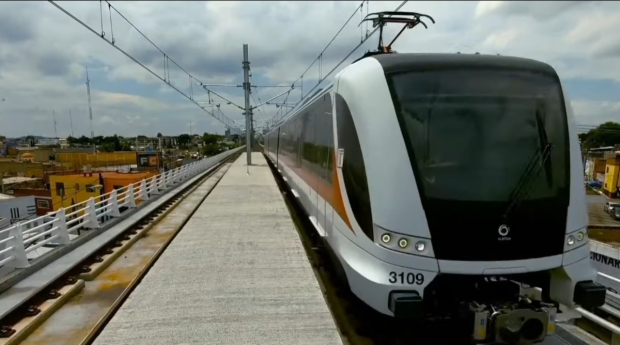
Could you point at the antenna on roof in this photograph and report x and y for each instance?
(381, 19)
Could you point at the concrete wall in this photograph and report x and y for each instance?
(79, 159)
(29, 169)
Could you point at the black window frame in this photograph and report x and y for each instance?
(353, 167)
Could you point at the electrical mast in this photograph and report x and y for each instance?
(90, 111)
(71, 121)
(55, 131)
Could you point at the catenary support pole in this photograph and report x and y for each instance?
(246, 88)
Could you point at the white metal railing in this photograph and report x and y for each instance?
(60, 228)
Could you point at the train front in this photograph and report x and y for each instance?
(474, 174)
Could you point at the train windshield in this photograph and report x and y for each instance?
(472, 133)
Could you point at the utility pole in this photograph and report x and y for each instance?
(71, 121)
(55, 131)
(248, 111)
(252, 122)
(90, 111)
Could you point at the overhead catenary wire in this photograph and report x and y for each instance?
(340, 63)
(260, 111)
(328, 44)
(223, 119)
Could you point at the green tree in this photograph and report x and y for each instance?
(607, 134)
(184, 139)
(211, 149)
(107, 147)
(209, 138)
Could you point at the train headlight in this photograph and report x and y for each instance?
(403, 243)
(420, 246)
(386, 238)
(580, 236)
(570, 240)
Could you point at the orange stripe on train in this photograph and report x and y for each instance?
(332, 194)
(338, 199)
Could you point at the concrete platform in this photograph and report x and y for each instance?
(62, 260)
(236, 274)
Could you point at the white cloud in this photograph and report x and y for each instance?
(43, 53)
(595, 113)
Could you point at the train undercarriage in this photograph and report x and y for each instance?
(493, 310)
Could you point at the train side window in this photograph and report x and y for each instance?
(326, 143)
(353, 168)
(307, 125)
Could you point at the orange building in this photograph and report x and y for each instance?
(118, 181)
(70, 188)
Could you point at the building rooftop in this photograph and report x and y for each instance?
(17, 179)
(6, 196)
(75, 150)
(114, 174)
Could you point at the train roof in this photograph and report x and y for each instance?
(425, 61)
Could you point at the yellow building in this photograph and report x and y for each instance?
(612, 173)
(70, 189)
(100, 159)
(27, 157)
(38, 155)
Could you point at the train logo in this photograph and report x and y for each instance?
(503, 231)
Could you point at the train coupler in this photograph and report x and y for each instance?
(521, 323)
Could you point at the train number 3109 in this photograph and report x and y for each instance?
(406, 278)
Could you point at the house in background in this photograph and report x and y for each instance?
(611, 187)
(3, 224)
(17, 209)
(70, 189)
(42, 198)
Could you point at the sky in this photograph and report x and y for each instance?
(44, 54)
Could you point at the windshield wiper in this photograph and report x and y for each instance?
(524, 186)
(540, 160)
(542, 134)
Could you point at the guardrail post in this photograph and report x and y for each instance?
(113, 205)
(63, 234)
(155, 184)
(91, 218)
(130, 197)
(19, 251)
(144, 196)
(164, 178)
(179, 174)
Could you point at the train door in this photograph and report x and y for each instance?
(314, 164)
(277, 151)
(324, 142)
(308, 160)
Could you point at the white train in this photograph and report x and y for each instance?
(444, 185)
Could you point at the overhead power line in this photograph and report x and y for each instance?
(319, 58)
(166, 78)
(323, 77)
